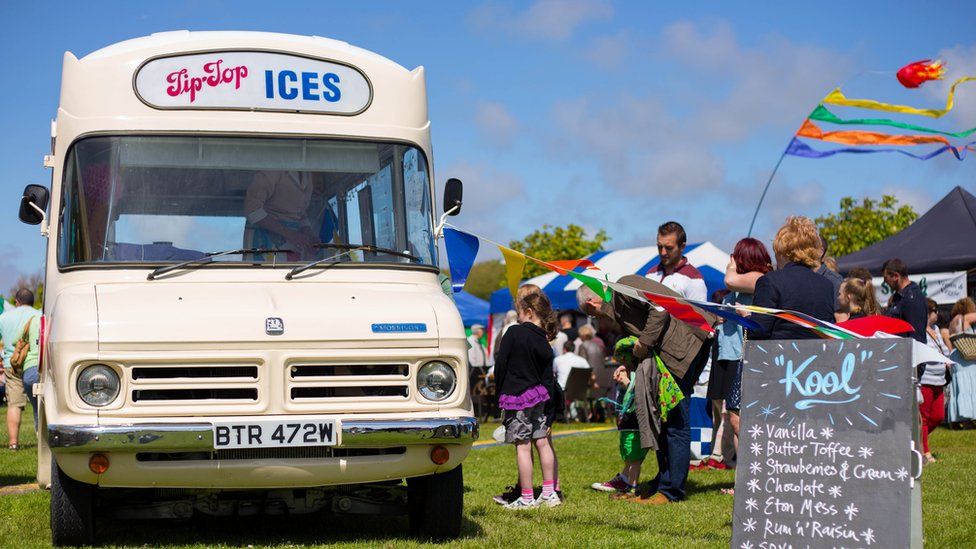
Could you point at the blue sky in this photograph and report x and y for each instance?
(613, 115)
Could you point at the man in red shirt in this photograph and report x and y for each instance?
(673, 270)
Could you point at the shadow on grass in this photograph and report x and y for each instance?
(701, 486)
(310, 529)
(14, 480)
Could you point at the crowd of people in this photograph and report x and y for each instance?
(639, 364)
(655, 360)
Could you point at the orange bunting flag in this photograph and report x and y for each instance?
(915, 74)
(680, 310)
(563, 266)
(514, 266)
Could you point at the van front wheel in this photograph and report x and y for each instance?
(435, 504)
(72, 510)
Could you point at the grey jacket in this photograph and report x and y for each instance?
(646, 381)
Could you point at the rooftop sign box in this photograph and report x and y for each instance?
(252, 80)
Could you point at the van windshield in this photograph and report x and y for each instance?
(165, 199)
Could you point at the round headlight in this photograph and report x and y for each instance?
(98, 385)
(436, 381)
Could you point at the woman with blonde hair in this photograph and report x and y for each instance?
(857, 299)
(963, 316)
(793, 285)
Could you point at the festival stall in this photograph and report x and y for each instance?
(938, 249)
(473, 310)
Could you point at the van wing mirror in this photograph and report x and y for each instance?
(453, 192)
(33, 204)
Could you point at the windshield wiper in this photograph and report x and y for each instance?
(369, 248)
(209, 258)
(349, 248)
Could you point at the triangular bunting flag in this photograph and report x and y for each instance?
(462, 248)
(514, 266)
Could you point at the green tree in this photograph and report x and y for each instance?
(858, 225)
(485, 277)
(550, 243)
(33, 282)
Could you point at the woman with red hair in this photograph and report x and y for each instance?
(749, 261)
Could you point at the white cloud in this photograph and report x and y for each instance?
(486, 190)
(671, 142)
(638, 145)
(609, 51)
(960, 61)
(917, 198)
(550, 20)
(776, 83)
(495, 124)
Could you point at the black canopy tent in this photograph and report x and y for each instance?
(941, 240)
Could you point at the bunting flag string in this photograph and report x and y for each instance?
(822, 114)
(837, 97)
(686, 310)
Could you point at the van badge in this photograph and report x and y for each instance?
(400, 327)
(274, 326)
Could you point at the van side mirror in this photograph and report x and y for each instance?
(453, 191)
(33, 204)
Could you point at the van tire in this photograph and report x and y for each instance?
(435, 504)
(72, 510)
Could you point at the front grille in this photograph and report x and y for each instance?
(194, 394)
(327, 370)
(348, 392)
(202, 383)
(195, 372)
(343, 382)
(311, 452)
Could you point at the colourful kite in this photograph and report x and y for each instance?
(915, 74)
(912, 75)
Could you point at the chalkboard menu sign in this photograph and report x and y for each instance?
(825, 444)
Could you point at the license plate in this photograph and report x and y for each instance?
(275, 433)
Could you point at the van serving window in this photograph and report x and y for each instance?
(163, 199)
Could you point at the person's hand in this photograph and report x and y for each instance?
(731, 266)
(621, 376)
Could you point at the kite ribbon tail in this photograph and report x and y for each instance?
(766, 188)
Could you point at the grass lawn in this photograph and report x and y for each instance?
(587, 518)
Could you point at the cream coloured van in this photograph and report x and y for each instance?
(243, 310)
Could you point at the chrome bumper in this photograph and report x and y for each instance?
(183, 437)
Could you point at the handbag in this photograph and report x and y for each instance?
(21, 348)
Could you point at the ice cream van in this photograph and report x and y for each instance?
(243, 308)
